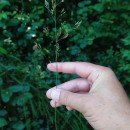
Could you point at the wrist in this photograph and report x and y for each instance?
(125, 118)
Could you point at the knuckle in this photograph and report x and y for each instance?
(109, 70)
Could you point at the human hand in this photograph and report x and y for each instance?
(98, 95)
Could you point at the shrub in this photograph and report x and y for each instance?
(26, 46)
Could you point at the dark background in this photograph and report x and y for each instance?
(26, 47)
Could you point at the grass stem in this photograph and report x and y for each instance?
(56, 58)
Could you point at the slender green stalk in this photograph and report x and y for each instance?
(56, 41)
(56, 119)
(56, 53)
(53, 13)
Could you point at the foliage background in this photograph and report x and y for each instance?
(26, 46)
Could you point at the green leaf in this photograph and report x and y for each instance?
(81, 4)
(19, 126)
(5, 95)
(3, 122)
(3, 112)
(98, 7)
(3, 51)
(7, 33)
(126, 54)
(34, 123)
(1, 82)
(36, 24)
(126, 40)
(19, 88)
(14, 22)
(2, 24)
(3, 15)
(22, 99)
(4, 3)
(75, 50)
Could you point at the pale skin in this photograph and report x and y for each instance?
(98, 95)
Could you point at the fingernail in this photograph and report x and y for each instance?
(53, 103)
(51, 65)
(55, 94)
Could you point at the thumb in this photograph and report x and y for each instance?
(67, 98)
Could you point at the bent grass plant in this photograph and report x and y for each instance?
(57, 36)
(53, 13)
(59, 33)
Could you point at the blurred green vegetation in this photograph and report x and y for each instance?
(27, 46)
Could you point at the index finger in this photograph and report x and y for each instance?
(83, 69)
